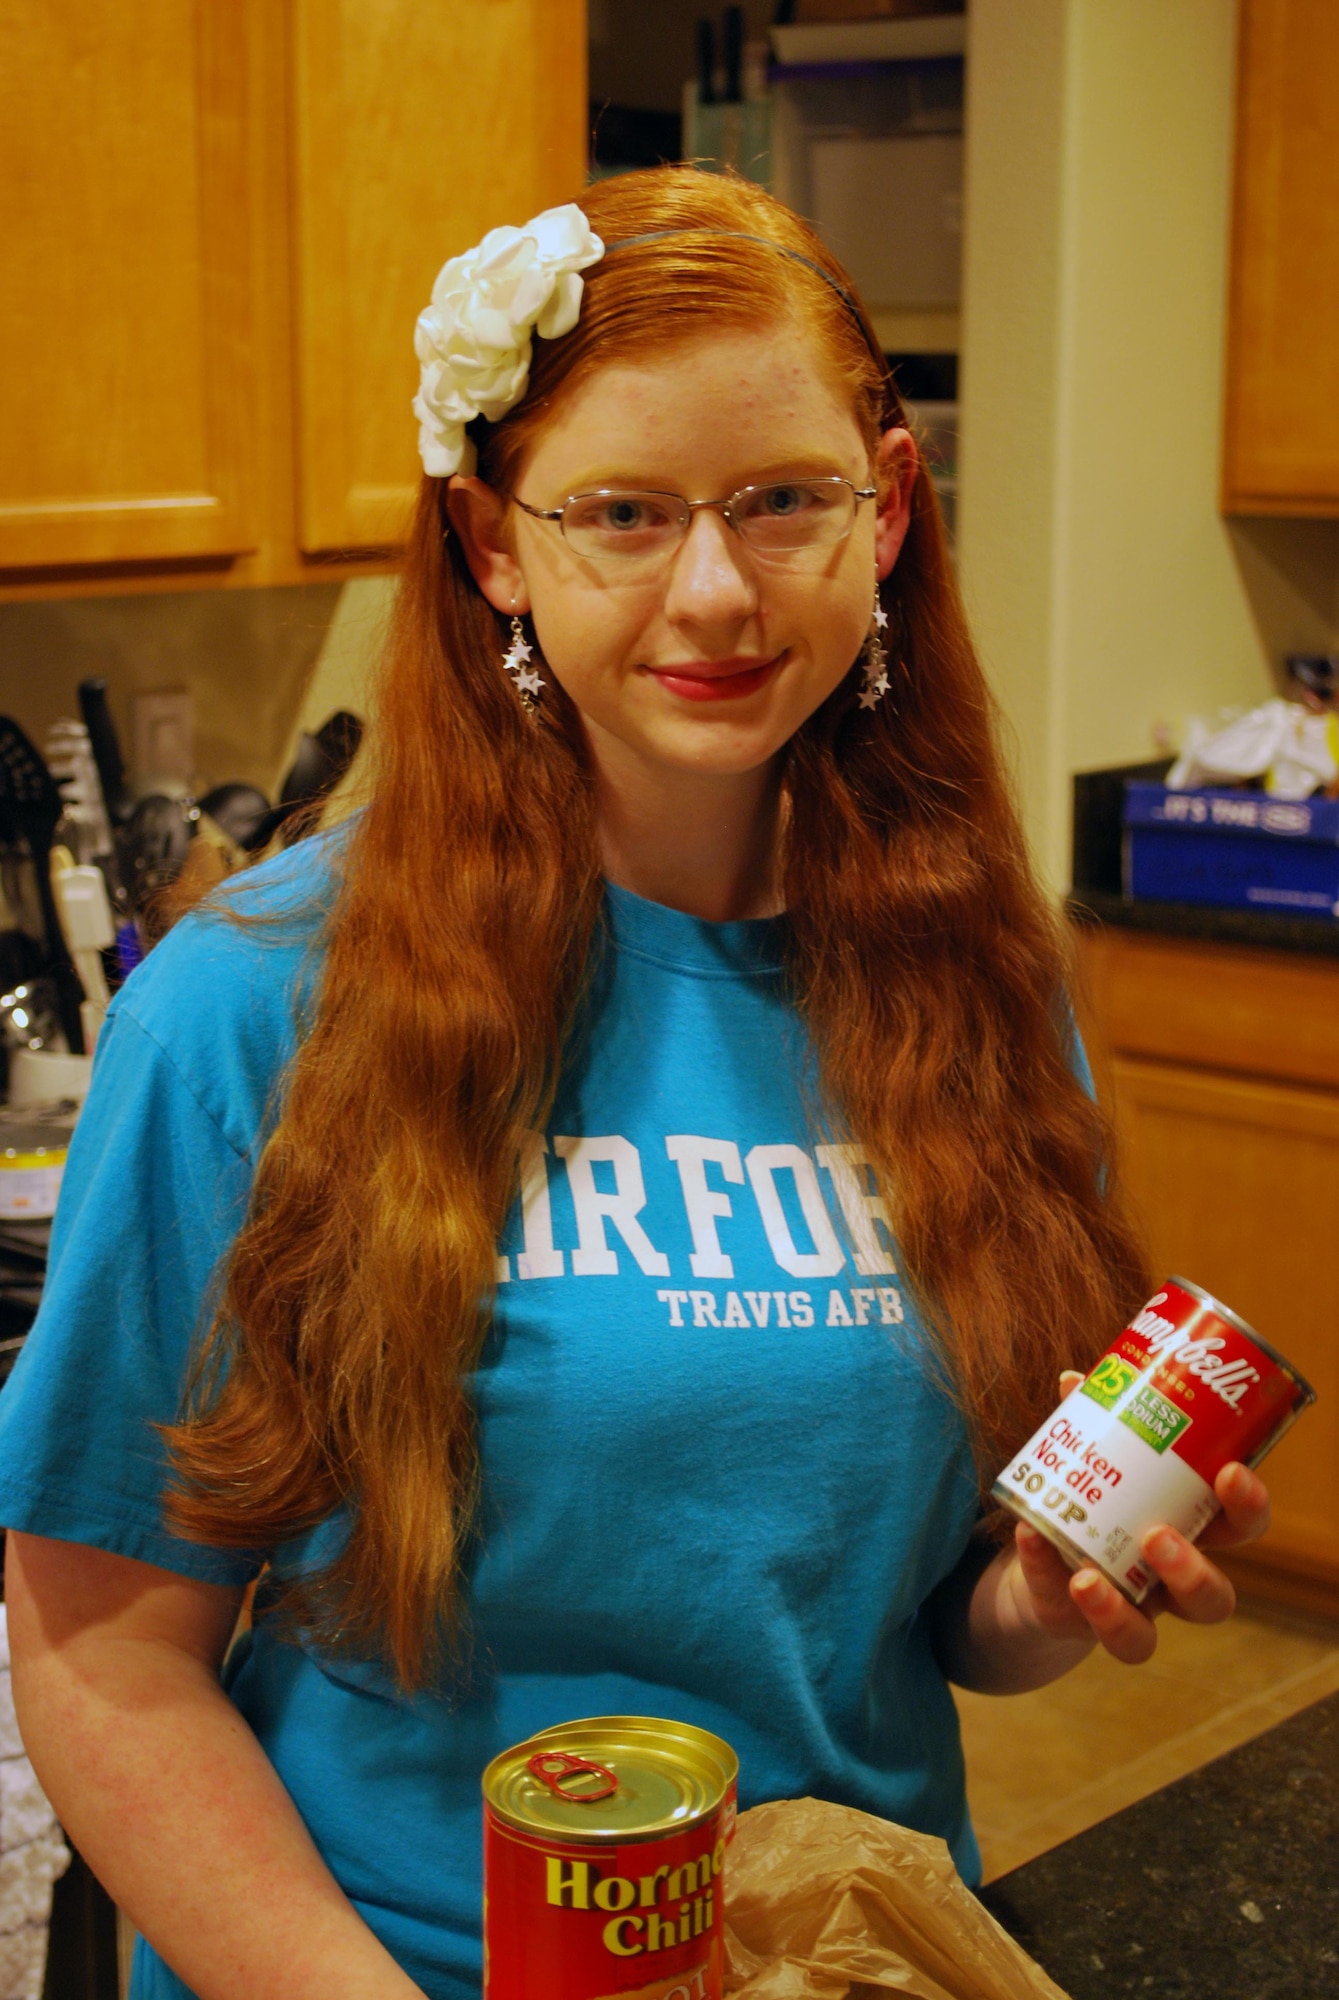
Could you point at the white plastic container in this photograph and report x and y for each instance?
(32, 1161)
(44, 1076)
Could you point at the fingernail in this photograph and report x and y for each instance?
(1161, 1546)
(1089, 1582)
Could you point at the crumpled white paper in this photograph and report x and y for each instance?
(32, 1854)
(473, 342)
(1294, 750)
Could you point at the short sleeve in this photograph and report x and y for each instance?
(153, 1195)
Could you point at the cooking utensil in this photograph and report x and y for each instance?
(152, 847)
(20, 959)
(239, 810)
(733, 37)
(69, 758)
(86, 919)
(30, 810)
(28, 1015)
(706, 63)
(106, 750)
(321, 762)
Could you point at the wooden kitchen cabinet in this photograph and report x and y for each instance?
(223, 217)
(1221, 1065)
(126, 336)
(1281, 452)
(418, 129)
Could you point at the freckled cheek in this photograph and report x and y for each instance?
(590, 657)
(833, 627)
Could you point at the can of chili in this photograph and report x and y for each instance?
(604, 1855)
(1186, 1388)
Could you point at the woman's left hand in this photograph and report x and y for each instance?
(1082, 1605)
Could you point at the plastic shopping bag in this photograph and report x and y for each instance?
(826, 1903)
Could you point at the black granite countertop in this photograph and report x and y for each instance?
(1223, 1886)
(1206, 920)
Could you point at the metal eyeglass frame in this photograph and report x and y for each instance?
(725, 507)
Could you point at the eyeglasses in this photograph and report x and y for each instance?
(614, 525)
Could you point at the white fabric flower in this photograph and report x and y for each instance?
(473, 342)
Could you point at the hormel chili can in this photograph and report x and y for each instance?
(604, 1852)
(1186, 1389)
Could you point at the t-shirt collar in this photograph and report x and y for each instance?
(748, 946)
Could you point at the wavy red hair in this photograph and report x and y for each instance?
(928, 966)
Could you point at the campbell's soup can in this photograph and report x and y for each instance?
(604, 1860)
(1187, 1388)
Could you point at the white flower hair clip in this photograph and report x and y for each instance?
(474, 341)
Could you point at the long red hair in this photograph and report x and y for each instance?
(929, 968)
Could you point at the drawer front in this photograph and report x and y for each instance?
(1252, 1012)
(1237, 1184)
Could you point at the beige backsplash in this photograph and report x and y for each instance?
(261, 664)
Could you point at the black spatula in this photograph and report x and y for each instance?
(106, 748)
(30, 809)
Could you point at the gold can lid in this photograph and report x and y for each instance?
(611, 1778)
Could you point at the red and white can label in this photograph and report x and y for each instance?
(1182, 1392)
(642, 1920)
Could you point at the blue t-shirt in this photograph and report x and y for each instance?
(721, 1475)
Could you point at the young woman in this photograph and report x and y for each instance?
(689, 901)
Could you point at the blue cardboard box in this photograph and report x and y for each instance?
(1236, 849)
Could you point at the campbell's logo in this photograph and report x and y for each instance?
(1200, 1355)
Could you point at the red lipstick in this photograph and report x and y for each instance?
(716, 680)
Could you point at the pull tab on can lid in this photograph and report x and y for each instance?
(611, 1778)
(551, 1767)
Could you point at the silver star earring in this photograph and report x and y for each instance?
(874, 658)
(516, 660)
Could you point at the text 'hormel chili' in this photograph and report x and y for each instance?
(1185, 1389)
(680, 1903)
(605, 1847)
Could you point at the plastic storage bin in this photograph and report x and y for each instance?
(1236, 849)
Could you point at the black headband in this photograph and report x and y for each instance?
(847, 298)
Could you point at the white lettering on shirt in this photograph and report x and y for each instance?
(594, 1208)
(848, 1165)
(703, 1204)
(764, 1163)
(539, 1259)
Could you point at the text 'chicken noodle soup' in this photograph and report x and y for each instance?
(604, 1860)
(1187, 1388)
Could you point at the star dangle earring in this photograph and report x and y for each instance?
(516, 661)
(874, 658)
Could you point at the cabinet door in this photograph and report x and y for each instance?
(418, 129)
(125, 304)
(1282, 440)
(1237, 1182)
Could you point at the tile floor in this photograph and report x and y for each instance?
(1043, 1766)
